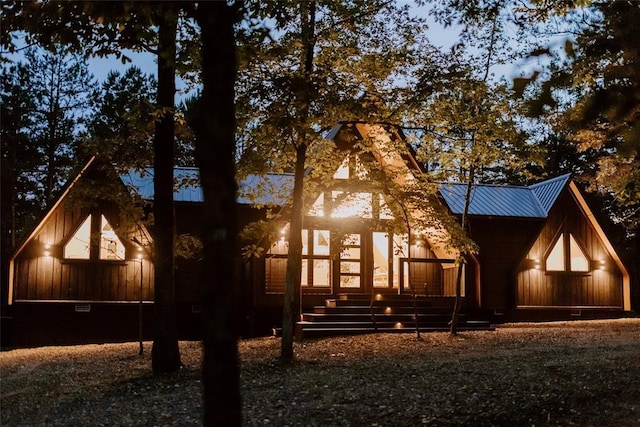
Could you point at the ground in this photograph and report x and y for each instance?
(584, 373)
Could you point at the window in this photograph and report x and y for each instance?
(351, 167)
(567, 253)
(109, 245)
(316, 264)
(80, 244)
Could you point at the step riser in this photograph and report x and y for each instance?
(352, 314)
(321, 318)
(380, 310)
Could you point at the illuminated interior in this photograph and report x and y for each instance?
(351, 167)
(111, 247)
(79, 245)
(380, 259)
(349, 205)
(555, 260)
(578, 261)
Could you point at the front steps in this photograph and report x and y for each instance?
(357, 314)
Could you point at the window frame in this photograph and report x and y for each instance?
(566, 237)
(95, 241)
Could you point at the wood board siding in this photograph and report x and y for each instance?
(501, 249)
(51, 278)
(595, 288)
(48, 278)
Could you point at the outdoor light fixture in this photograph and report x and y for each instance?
(601, 264)
(398, 325)
(387, 310)
(47, 249)
(378, 297)
(537, 263)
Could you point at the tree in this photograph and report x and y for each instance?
(18, 154)
(98, 28)
(165, 352)
(121, 129)
(324, 63)
(213, 121)
(607, 113)
(44, 103)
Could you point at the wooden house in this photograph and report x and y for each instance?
(82, 276)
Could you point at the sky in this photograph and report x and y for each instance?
(438, 35)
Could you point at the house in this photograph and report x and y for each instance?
(85, 273)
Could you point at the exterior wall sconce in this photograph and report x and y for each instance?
(536, 263)
(139, 254)
(47, 250)
(602, 264)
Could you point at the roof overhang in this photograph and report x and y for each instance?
(626, 280)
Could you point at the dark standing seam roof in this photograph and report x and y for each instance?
(255, 189)
(534, 201)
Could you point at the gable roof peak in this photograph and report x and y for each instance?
(547, 192)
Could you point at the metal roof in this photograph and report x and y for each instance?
(533, 201)
(254, 189)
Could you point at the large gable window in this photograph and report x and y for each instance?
(566, 255)
(109, 246)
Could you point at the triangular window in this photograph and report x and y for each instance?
(351, 167)
(110, 245)
(79, 246)
(566, 255)
(579, 261)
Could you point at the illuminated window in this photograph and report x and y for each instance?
(349, 205)
(110, 245)
(385, 212)
(351, 167)
(579, 261)
(316, 265)
(79, 246)
(343, 170)
(567, 255)
(317, 209)
(555, 260)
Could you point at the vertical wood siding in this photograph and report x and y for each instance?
(52, 278)
(597, 288)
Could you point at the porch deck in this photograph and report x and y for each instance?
(359, 314)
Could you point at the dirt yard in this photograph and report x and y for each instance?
(584, 373)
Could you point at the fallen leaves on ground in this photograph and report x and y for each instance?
(583, 373)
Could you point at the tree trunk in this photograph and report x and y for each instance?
(165, 354)
(292, 292)
(455, 317)
(291, 310)
(213, 121)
